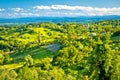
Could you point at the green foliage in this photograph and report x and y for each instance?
(8, 74)
(28, 60)
(87, 51)
(66, 57)
(1, 57)
(27, 74)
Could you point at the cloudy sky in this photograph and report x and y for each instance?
(58, 8)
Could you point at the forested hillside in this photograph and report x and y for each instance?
(60, 51)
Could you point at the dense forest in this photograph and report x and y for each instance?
(60, 51)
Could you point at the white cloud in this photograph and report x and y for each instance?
(29, 14)
(1, 9)
(42, 7)
(59, 10)
(89, 11)
(17, 9)
(64, 7)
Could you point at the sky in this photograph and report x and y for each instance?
(58, 8)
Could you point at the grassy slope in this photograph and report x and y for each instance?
(115, 38)
(36, 53)
(18, 58)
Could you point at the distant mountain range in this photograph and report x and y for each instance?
(81, 19)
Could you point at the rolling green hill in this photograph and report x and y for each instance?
(63, 51)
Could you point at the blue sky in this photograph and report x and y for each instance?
(60, 8)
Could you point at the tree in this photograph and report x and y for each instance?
(27, 73)
(39, 38)
(7, 74)
(28, 60)
(1, 57)
(66, 57)
(101, 61)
